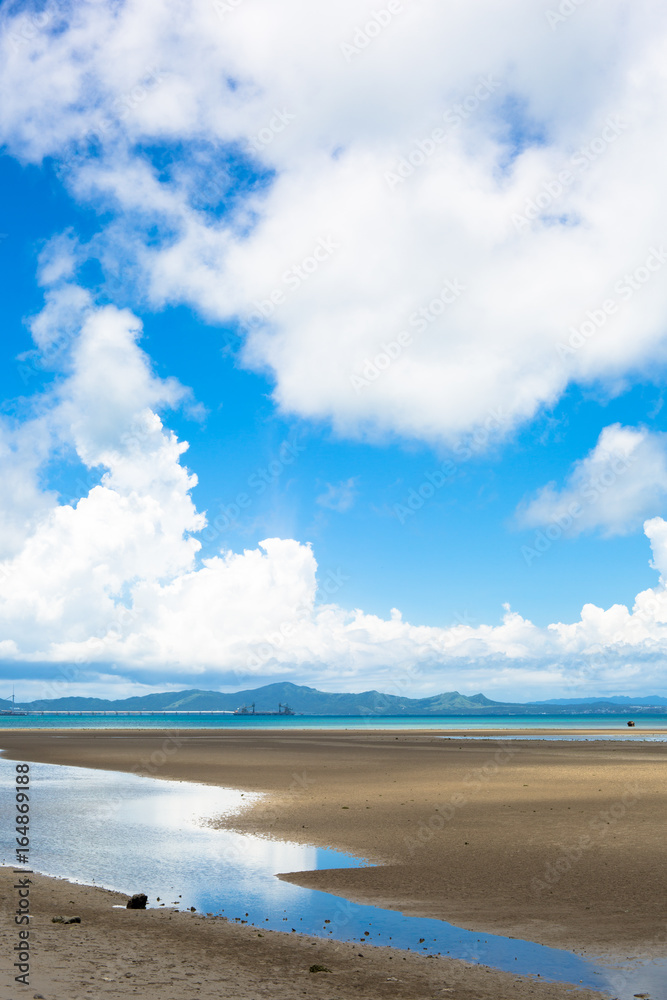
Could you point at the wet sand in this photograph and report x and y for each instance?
(560, 843)
(161, 955)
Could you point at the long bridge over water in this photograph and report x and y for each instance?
(23, 713)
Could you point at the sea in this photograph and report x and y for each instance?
(459, 724)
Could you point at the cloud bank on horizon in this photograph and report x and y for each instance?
(111, 583)
(421, 230)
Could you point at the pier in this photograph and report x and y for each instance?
(122, 712)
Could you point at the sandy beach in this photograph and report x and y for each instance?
(116, 953)
(560, 843)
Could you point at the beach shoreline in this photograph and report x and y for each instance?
(559, 843)
(114, 953)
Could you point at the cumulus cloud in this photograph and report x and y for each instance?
(112, 587)
(330, 183)
(202, 626)
(417, 232)
(23, 450)
(622, 481)
(68, 569)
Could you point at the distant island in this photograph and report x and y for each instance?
(309, 701)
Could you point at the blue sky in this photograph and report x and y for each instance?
(448, 415)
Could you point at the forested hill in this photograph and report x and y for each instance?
(310, 701)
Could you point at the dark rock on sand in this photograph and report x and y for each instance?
(138, 901)
(319, 968)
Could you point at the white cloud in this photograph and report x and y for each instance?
(109, 387)
(357, 267)
(275, 77)
(622, 481)
(23, 450)
(71, 564)
(110, 592)
(203, 627)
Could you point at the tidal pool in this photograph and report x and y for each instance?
(571, 738)
(136, 834)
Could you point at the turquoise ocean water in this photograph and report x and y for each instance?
(442, 723)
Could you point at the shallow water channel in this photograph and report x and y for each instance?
(136, 834)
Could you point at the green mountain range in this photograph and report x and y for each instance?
(309, 701)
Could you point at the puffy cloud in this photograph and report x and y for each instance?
(69, 568)
(23, 450)
(251, 616)
(329, 184)
(618, 484)
(109, 387)
(422, 233)
(110, 590)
